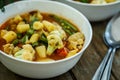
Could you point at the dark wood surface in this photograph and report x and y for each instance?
(87, 65)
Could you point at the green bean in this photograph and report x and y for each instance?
(66, 25)
(43, 40)
(69, 26)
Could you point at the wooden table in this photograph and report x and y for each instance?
(87, 65)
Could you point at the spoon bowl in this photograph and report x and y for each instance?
(110, 36)
(112, 39)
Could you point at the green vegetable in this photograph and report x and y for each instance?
(19, 35)
(16, 41)
(35, 44)
(84, 1)
(43, 39)
(51, 49)
(24, 39)
(32, 20)
(66, 25)
(30, 31)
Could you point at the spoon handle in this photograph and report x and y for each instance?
(99, 72)
(107, 70)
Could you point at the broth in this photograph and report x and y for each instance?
(36, 36)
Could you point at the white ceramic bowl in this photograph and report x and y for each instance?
(95, 12)
(45, 69)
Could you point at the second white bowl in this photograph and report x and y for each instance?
(95, 12)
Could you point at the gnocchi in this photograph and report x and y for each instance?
(21, 28)
(34, 38)
(37, 25)
(10, 36)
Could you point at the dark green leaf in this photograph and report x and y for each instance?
(24, 39)
(35, 44)
(43, 40)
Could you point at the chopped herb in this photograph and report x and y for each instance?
(66, 25)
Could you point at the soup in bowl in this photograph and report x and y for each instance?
(36, 36)
(39, 40)
(96, 1)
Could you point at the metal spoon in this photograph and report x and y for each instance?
(112, 39)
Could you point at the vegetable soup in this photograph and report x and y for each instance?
(36, 36)
(96, 1)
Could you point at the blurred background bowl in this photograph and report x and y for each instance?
(95, 12)
(45, 69)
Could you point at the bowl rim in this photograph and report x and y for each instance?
(86, 4)
(57, 61)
